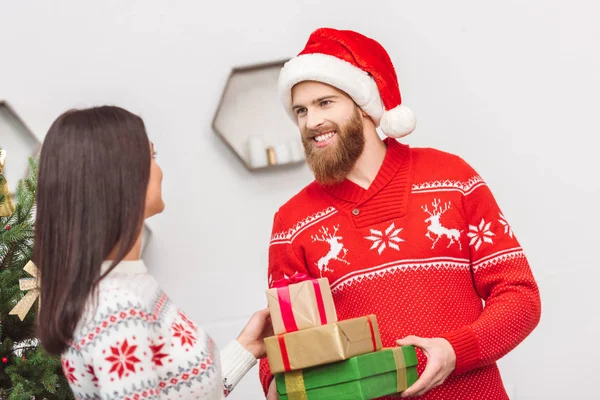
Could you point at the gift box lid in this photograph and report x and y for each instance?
(353, 369)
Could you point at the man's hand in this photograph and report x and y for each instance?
(272, 393)
(441, 361)
(253, 335)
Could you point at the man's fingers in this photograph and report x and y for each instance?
(412, 341)
(427, 389)
(419, 386)
(423, 383)
(435, 383)
(440, 363)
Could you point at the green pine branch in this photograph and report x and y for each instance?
(30, 372)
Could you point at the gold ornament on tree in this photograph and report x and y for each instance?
(7, 208)
(31, 285)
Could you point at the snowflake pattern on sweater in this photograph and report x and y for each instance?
(135, 344)
(423, 248)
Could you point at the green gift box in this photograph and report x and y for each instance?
(385, 372)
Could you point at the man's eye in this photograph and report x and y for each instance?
(325, 103)
(300, 111)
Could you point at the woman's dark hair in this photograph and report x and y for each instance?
(93, 175)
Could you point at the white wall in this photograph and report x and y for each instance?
(511, 86)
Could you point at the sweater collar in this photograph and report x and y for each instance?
(396, 157)
(125, 267)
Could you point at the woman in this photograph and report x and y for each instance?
(119, 335)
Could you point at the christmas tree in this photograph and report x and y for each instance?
(26, 371)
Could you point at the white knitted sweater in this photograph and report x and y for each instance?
(136, 344)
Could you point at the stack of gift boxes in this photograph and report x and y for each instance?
(314, 356)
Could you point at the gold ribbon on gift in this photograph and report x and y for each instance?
(400, 369)
(294, 383)
(7, 208)
(31, 285)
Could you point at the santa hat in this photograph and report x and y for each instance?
(357, 65)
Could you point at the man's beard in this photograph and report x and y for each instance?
(334, 162)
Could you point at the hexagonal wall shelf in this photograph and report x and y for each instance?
(252, 122)
(20, 143)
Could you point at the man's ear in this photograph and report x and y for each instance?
(363, 114)
(367, 120)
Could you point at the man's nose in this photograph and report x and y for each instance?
(314, 120)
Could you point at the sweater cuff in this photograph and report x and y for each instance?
(236, 361)
(466, 348)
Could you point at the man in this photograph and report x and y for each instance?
(411, 235)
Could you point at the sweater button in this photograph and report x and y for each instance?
(356, 211)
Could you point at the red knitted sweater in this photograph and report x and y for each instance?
(422, 249)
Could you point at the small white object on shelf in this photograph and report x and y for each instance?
(257, 154)
(283, 153)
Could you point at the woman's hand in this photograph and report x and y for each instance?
(252, 336)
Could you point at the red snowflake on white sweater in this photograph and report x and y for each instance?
(157, 356)
(186, 336)
(69, 371)
(123, 358)
(90, 370)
